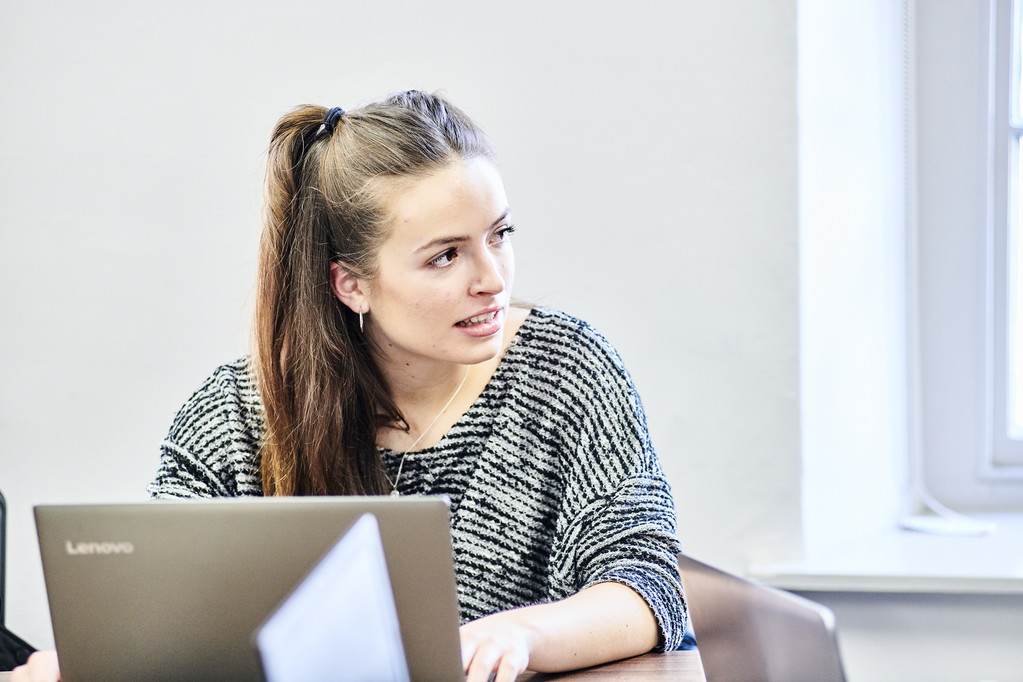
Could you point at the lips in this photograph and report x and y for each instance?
(478, 319)
(482, 325)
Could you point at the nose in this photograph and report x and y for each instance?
(489, 275)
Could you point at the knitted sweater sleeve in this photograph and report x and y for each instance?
(212, 447)
(617, 521)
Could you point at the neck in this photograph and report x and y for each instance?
(419, 387)
(410, 386)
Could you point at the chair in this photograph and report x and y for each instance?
(13, 649)
(747, 632)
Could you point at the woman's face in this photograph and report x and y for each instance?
(444, 275)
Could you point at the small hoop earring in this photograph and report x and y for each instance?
(360, 320)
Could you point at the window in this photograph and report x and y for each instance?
(968, 323)
(1007, 275)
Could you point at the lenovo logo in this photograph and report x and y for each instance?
(88, 548)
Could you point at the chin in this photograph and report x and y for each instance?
(483, 352)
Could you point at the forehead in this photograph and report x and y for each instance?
(463, 196)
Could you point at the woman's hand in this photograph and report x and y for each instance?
(495, 644)
(604, 622)
(41, 667)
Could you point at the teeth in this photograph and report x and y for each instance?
(475, 320)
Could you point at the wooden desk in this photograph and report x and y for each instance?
(684, 666)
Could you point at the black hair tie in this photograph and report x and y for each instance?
(331, 119)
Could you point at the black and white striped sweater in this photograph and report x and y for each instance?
(554, 484)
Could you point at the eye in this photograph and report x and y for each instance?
(445, 259)
(503, 234)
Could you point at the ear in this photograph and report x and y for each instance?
(348, 288)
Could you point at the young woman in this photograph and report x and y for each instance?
(389, 359)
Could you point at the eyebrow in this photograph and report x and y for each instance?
(443, 241)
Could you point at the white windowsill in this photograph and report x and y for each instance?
(905, 561)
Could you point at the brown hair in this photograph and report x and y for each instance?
(323, 393)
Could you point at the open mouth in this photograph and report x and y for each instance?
(479, 319)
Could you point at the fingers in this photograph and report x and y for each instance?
(510, 667)
(483, 656)
(481, 663)
(41, 667)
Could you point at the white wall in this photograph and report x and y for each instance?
(649, 150)
(927, 637)
(853, 185)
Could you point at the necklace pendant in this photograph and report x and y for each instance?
(394, 492)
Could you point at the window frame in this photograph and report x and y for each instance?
(961, 193)
(1003, 456)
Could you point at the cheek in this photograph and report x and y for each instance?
(427, 304)
(509, 267)
(438, 305)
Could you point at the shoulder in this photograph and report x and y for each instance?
(558, 342)
(545, 327)
(223, 415)
(558, 324)
(235, 377)
(229, 391)
(580, 374)
(212, 446)
(562, 366)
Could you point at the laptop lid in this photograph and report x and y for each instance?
(746, 631)
(173, 590)
(340, 622)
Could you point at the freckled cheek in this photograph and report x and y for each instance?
(508, 267)
(444, 311)
(432, 309)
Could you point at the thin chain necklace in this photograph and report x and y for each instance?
(397, 477)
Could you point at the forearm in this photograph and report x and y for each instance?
(605, 622)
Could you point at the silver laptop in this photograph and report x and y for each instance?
(174, 590)
(747, 632)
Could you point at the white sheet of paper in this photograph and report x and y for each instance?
(340, 622)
